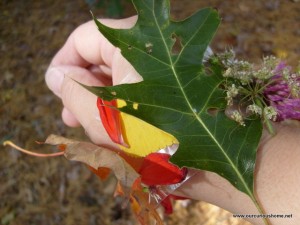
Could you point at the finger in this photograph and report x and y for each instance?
(86, 45)
(69, 119)
(55, 76)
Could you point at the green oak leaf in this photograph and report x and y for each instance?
(179, 96)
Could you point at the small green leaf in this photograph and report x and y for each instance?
(178, 95)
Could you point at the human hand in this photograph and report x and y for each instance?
(276, 180)
(89, 58)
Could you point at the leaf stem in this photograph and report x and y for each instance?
(266, 121)
(270, 127)
(9, 143)
(260, 209)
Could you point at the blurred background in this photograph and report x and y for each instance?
(56, 191)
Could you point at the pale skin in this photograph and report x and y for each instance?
(89, 58)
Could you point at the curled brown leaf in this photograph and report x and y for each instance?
(96, 156)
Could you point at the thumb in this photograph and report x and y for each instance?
(80, 104)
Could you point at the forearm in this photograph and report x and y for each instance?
(276, 180)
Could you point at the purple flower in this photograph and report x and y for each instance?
(279, 93)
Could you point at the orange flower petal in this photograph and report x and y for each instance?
(101, 172)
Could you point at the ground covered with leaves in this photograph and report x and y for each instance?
(57, 191)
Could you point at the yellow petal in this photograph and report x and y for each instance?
(143, 138)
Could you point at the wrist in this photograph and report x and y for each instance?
(275, 179)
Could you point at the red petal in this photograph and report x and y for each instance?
(175, 197)
(110, 118)
(156, 170)
(167, 204)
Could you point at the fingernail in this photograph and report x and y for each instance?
(131, 78)
(54, 79)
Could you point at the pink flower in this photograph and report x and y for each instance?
(281, 93)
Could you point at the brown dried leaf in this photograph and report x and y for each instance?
(96, 156)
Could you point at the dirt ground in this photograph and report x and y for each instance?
(56, 191)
